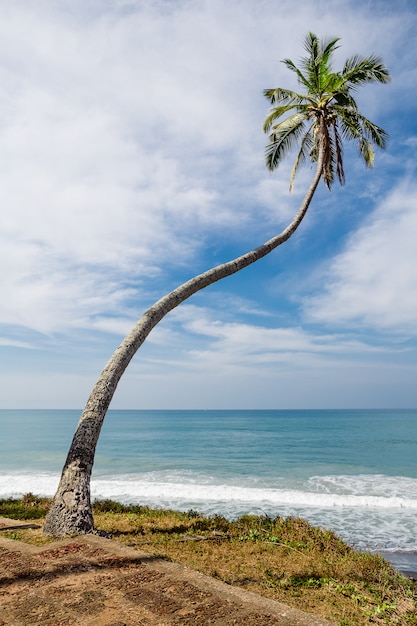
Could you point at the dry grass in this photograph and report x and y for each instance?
(284, 559)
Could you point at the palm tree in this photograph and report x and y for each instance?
(326, 113)
(321, 117)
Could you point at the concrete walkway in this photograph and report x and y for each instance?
(94, 581)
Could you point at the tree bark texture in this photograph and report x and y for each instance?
(70, 511)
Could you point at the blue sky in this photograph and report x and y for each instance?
(132, 159)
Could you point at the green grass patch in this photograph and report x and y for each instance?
(29, 507)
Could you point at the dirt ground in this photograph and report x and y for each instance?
(94, 581)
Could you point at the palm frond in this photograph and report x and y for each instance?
(373, 132)
(317, 65)
(367, 152)
(282, 140)
(283, 96)
(325, 70)
(349, 122)
(311, 63)
(354, 125)
(307, 144)
(300, 76)
(278, 112)
(328, 158)
(360, 70)
(330, 84)
(338, 155)
(328, 47)
(343, 99)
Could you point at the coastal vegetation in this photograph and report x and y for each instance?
(319, 120)
(283, 559)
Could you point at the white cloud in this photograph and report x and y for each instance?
(132, 152)
(411, 141)
(221, 364)
(129, 131)
(373, 282)
(203, 338)
(5, 341)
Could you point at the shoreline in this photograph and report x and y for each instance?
(403, 561)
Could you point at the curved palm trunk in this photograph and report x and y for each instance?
(70, 512)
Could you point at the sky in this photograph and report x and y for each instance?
(132, 158)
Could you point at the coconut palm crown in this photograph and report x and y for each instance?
(326, 113)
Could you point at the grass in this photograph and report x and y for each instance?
(284, 559)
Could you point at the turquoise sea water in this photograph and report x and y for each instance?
(352, 471)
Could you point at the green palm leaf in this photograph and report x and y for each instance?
(359, 71)
(283, 96)
(282, 140)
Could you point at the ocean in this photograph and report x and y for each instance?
(353, 471)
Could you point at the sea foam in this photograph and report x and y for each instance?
(380, 516)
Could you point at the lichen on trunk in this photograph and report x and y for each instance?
(71, 511)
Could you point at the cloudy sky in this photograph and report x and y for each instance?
(131, 159)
